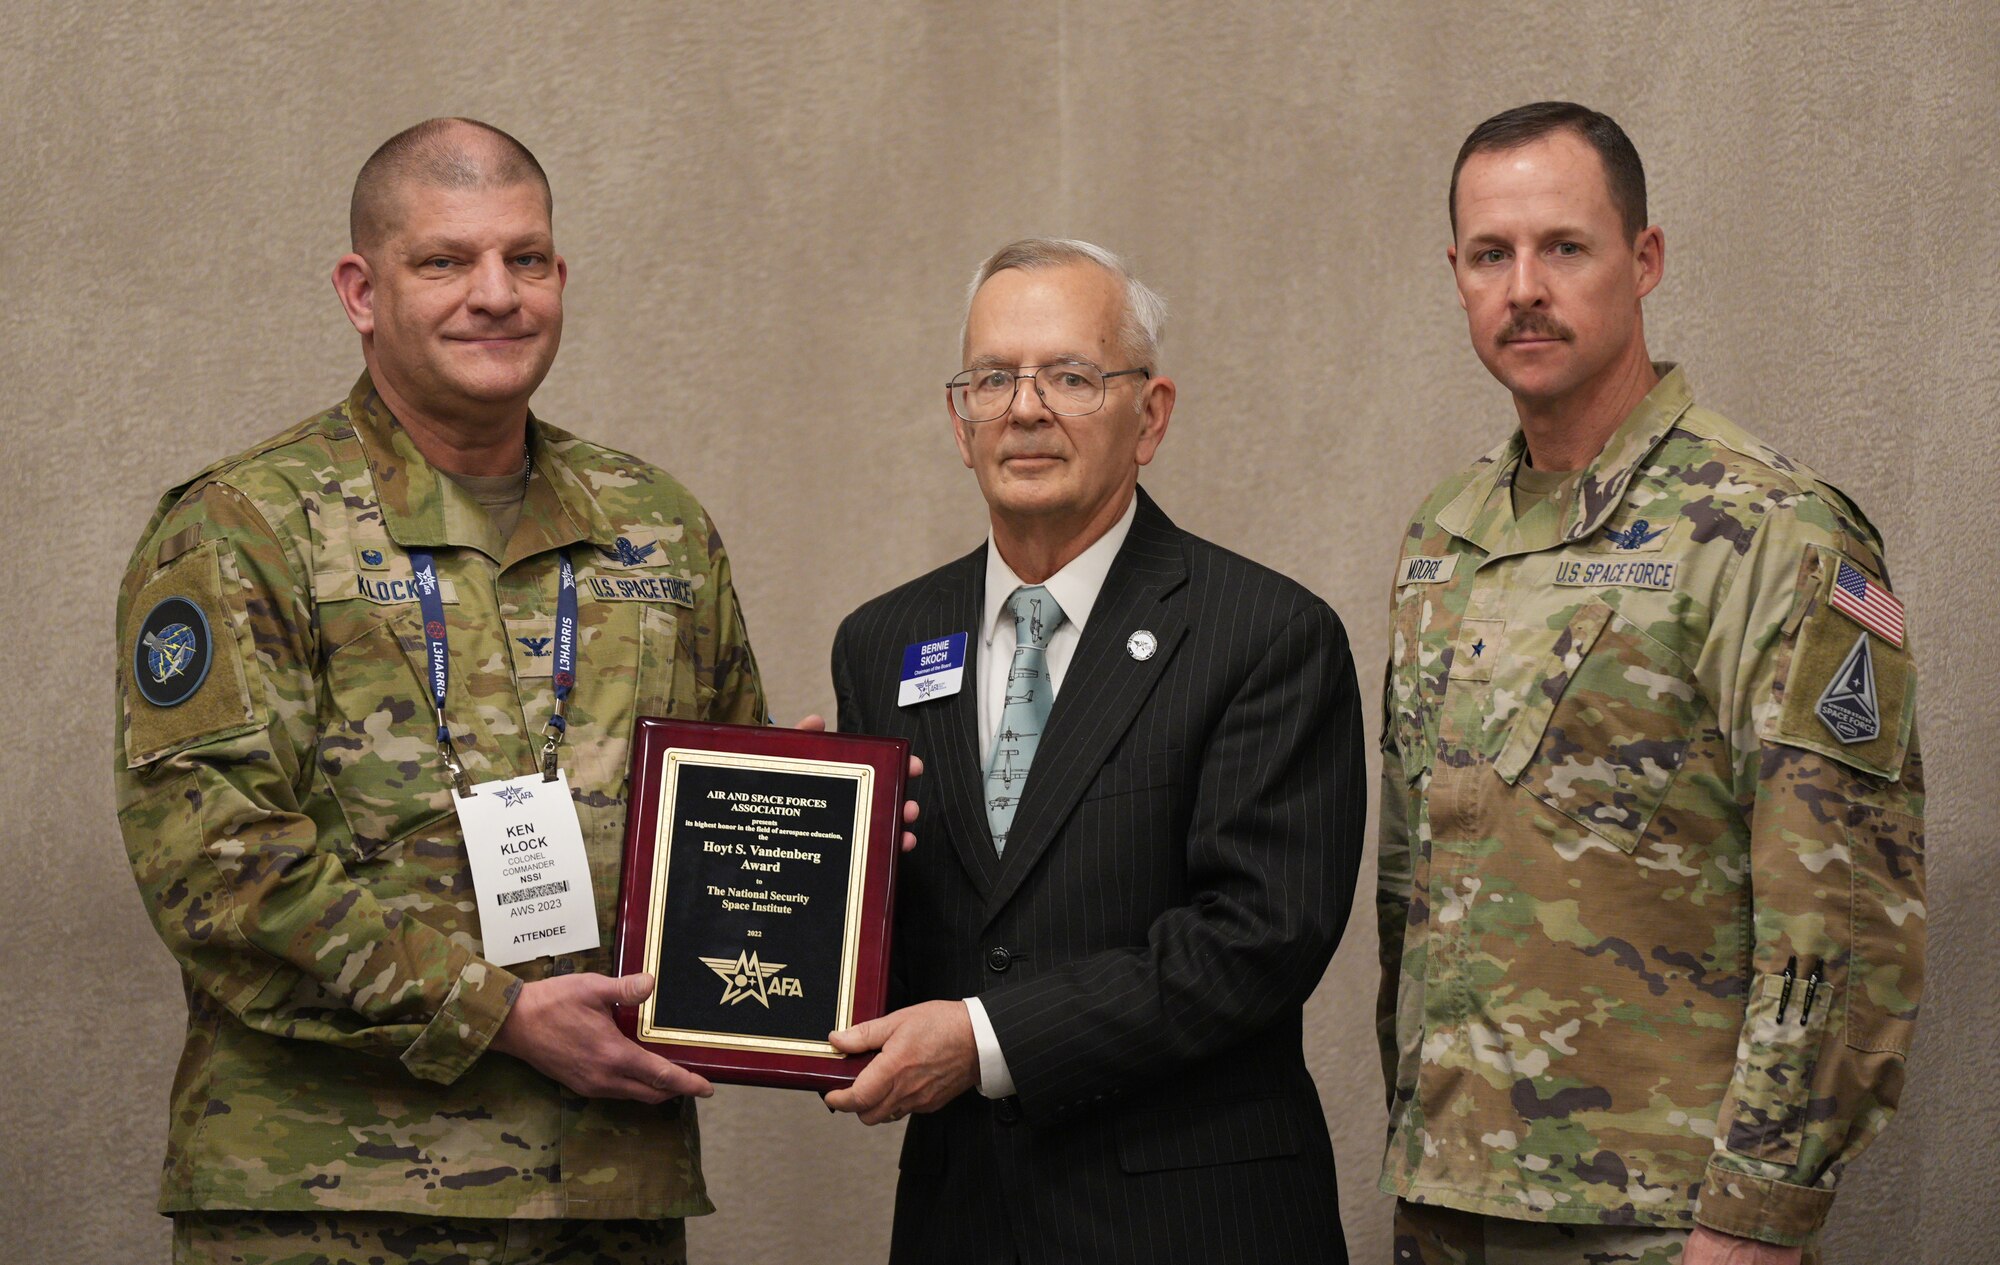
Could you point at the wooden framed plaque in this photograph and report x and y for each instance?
(758, 891)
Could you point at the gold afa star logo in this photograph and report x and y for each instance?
(746, 977)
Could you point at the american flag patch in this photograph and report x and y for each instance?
(1868, 604)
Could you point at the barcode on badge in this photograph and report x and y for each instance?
(530, 893)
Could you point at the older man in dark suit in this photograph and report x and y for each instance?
(1146, 806)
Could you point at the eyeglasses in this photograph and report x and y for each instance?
(1070, 389)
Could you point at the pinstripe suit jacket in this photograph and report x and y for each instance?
(1176, 878)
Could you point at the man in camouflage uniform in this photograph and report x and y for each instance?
(358, 1082)
(1651, 899)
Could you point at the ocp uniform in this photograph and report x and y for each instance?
(1615, 810)
(291, 827)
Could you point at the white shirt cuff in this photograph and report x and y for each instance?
(995, 1081)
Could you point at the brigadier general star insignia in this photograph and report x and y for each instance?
(1847, 706)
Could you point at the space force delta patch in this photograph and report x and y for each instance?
(171, 655)
(640, 588)
(1848, 705)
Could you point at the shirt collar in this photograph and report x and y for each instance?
(1075, 587)
(1483, 511)
(423, 508)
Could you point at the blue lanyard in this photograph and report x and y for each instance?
(565, 664)
(431, 600)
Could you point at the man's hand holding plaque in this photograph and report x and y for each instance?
(928, 1057)
(564, 1028)
(816, 724)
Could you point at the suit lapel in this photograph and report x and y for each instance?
(949, 727)
(1102, 689)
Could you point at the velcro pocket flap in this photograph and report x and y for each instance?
(1849, 694)
(1776, 1052)
(180, 661)
(1606, 730)
(1565, 657)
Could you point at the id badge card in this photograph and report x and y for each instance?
(529, 869)
(932, 669)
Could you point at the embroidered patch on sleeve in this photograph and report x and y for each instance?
(1867, 603)
(184, 678)
(1847, 705)
(1848, 693)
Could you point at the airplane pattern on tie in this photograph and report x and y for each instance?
(1024, 710)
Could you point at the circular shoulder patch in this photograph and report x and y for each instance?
(171, 657)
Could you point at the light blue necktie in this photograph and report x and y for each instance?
(1025, 714)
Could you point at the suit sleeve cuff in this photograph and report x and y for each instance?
(995, 1081)
(463, 1027)
(1760, 1207)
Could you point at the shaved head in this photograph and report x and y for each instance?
(447, 153)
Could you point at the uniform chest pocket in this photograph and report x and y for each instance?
(378, 744)
(1606, 727)
(668, 685)
(631, 664)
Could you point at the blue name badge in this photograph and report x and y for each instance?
(933, 669)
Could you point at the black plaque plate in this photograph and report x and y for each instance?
(759, 864)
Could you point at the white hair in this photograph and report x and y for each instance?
(1145, 323)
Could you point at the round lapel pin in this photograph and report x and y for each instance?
(1141, 645)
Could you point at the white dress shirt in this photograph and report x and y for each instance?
(1075, 589)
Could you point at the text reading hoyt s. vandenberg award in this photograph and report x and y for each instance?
(756, 895)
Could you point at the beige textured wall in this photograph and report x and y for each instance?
(768, 211)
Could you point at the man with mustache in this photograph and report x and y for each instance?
(422, 590)
(1651, 881)
(1146, 775)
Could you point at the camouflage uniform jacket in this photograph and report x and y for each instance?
(1613, 814)
(291, 829)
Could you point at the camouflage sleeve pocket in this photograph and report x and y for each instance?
(1888, 923)
(1848, 694)
(1776, 1051)
(1413, 685)
(1605, 730)
(180, 668)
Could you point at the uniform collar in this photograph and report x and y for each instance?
(422, 508)
(1483, 511)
